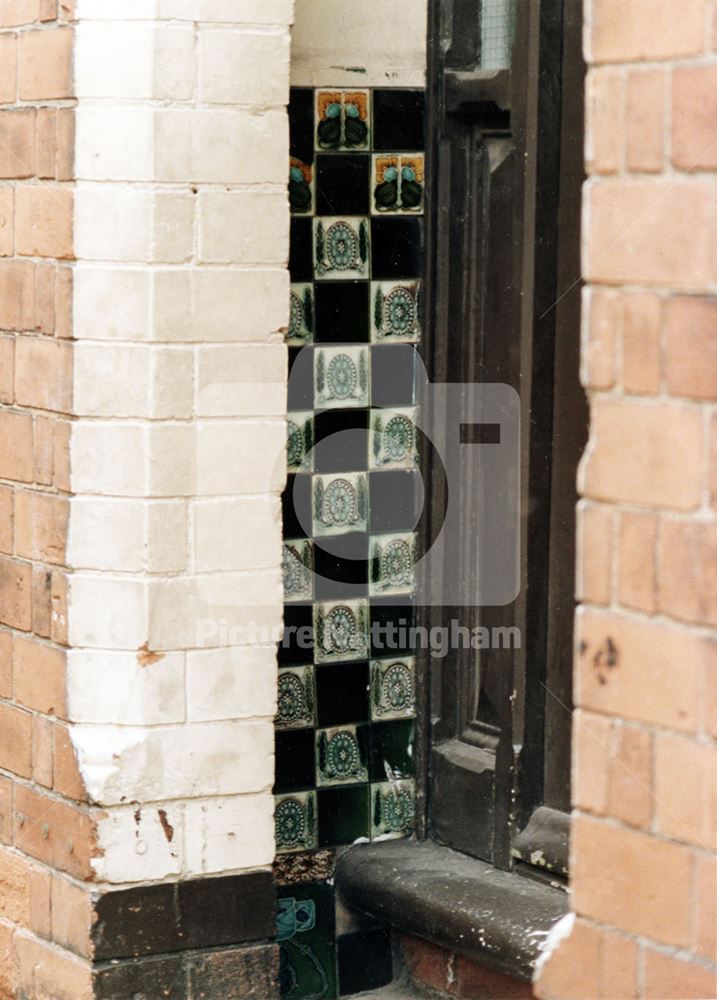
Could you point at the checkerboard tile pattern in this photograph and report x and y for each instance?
(346, 717)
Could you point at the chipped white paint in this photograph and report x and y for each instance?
(178, 449)
(559, 932)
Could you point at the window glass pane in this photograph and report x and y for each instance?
(497, 31)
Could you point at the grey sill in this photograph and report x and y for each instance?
(497, 918)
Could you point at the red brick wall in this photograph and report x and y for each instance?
(643, 868)
(46, 833)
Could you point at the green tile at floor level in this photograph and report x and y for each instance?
(392, 750)
(306, 928)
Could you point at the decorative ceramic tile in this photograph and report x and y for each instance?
(344, 814)
(340, 503)
(305, 932)
(342, 247)
(392, 564)
(396, 311)
(398, 119)
(301, 314)
(295, 822)
(343, 119)
(393, 439)
(301, 187)
(341, 631)
(341, 377)
(393, 809)
(392, 750)
(299, 441)
(297, 564)
(342, 184)
(398, 184)
(393, 688)
(296, 700)
(341, 756)
(313, 866)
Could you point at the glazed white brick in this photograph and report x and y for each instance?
(135, 845)
(175, 63)
(106, 534)
(221, 146)
(229, 834)
(114, 143)
(220, 305)
(244, 227)
(116, 10)
(113, 59)
(108, 458)
(237, 534)
(231, 683)
(173, 227)
(111, 380)
(111, 303)
(107, 612)
(236, 457)
(116, 688)
(239, 67)
(229, 11)
(112, 222)
(242, 380)
(153, 764)
(166, 536)
(172, 460)
(219, 609)
(172, 382)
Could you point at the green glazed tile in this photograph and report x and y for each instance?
(296, 704)
(393, 688)
(295, 822)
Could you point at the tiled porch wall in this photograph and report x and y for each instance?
(345, 724)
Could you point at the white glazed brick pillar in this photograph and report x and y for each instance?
(178, 450)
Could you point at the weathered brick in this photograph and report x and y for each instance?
(45, 64)
(45, 298)
(15, 740)
(630, 776)
(42, 751)
(645, 120)
(40, 526)
(687, 577)
(16, 446)
(628, 30)
(605, 103)
(43, 220)
(15, 895)
(691, 347)
(685, 790)
(40, 677)
(14, 13)
(5, 664)
(641, 360)
(17, 143)
(616, 656)
(68, 780)
(6, 810)
(72, 911)
(644, 231)
(631, 880)
(561, 977)
(7, 369)
(694, 107)
(595, 548)
(44, 970)
(43, 373)
(59, 834)
(7, 220)
(637, 566)
(644, 453)
(17, 295)
(602, 309)
(667, 977)
(8, 67)
(15, 593)
(706, 905)
(6, 519)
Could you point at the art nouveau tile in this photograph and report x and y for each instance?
(397, 184)
(299, 441)
(301, 187)
(342, 247)
(301, 314)
(341, 631)
(305, 932)
(341, 377)
(295, 822)
(343, 119)
(342, 755)
(396, 311)
(393, 688)
(392, 564)
(296, 700)
(297, 564)
(340, 503)
(393, 439)
(393, 809)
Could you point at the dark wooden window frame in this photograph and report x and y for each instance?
(505, 168)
